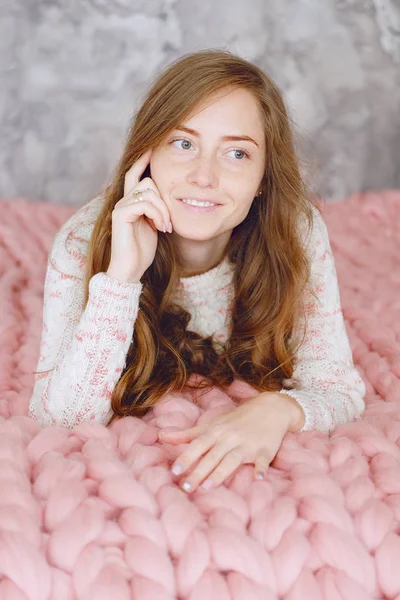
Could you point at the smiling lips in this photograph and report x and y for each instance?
(199, 201)
(199, 206)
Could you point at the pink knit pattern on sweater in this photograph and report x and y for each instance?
(94, 513)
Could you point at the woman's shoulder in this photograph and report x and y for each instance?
(81, 223)
(69, 248)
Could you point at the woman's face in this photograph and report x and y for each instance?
(217, 155)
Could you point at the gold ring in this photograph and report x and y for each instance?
(137, 196)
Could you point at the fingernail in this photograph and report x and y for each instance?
(176, 469)
(187, 486)
(170, 227)
(207, 484)
(260, 475)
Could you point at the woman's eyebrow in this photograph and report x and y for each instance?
(225, 138)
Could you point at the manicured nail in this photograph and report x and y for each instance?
(207, 484)
(187, 486)
(170, 227)
(260, 475)
(176, 469)
(164, 228)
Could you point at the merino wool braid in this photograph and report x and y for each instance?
(83, 352)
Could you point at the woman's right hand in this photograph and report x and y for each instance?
(134, 234)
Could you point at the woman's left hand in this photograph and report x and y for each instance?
(250, 433)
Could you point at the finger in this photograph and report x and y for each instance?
(192, 453)
(214, 468)
(149, 195)
(133, 175)
(129, 211)
(147, 184)
(262, 463)
(142, 185)
(180, 437)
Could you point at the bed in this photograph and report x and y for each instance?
(94, 513)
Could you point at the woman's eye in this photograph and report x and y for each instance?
(240, 152)
(183, 141)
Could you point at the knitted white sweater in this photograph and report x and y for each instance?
(84, 351)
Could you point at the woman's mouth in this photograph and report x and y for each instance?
(197, 206)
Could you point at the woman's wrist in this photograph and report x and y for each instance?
(293, 412)
(122, 278)
(297, 416)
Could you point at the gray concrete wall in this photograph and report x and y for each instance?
(72, 72)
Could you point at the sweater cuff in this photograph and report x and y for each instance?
(110, 297)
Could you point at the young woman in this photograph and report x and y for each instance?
(205, 255)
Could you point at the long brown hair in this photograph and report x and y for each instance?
(271, 268)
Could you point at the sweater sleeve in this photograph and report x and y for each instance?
(82, 352)
(325, 381)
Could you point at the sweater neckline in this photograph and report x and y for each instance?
(215, 278)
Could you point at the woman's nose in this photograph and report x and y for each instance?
(203, 172)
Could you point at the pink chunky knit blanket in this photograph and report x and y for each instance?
(94, 513)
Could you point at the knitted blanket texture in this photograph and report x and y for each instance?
(94, 513)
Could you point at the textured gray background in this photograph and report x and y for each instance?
(71, 74)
